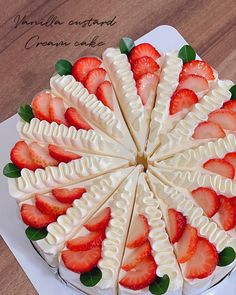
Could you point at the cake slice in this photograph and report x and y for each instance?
(97, 273)
(148, 260)
(199, 243)
(207, 121)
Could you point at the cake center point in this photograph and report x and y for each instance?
(141, 159)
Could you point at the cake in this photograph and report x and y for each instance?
(125, 172)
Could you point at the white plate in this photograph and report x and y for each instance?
(164, 38)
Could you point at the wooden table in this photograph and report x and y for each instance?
(209, 26)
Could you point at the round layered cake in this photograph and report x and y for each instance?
(125, 172)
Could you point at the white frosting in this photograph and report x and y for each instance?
(43, 180)
(82, 141)
(180, 138)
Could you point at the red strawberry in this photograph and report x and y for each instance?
(81, 261)
(40, 106)
(94, 79)
(231, 158)
(20, 156)
(137, 256)
(193, 82)
(177, 224)
(203, 262)
(207, 130)
(35, 218)
(57, 111)
(104, 94)
(74, 119)
(187, 244)
(65, 195)
(182, 99)
(144, 65)
(146, 86)
(197, 67)
(141, 276)
(225, 118)
(61, 155)
(227, 213)
(144, 49)
(233, 203)
(207, 199)
(41, 156)
(99, 221)
(138, 233)
(50, 205)
(83, 243)
(230, 105)
(221, 167)
(83, 66)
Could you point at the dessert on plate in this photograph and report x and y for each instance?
(124, 172)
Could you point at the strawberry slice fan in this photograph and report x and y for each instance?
(124, 172)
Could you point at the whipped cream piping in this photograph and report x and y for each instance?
(45, 179)
(84, 141)
(180, 137)
(206, 228)
(169, 80)
(193, 158)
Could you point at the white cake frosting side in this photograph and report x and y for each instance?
(180, 137)
(90, 142)
(42, 180)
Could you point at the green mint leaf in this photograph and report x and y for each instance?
(126, 44)
(233, 91)
(35, 234)
(11, 171)
(91, 278)
(25, 112)
(160, 285)
(226, 256)
(187, 53)
(63, 67)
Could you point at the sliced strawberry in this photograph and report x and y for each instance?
(225, 118)
(35, 218)
(187, 244)
(65, 195)
(61, 155)
(197, 67)
(137, 256)
(144, 65)
(20, 156)
(193, 82)
(227, 213)
(221, 167)
(57, 111)
(74, 119)
(40, 155)
(83, 66)
(207, 130)
(138, 233)
(141, 276)
(182, 99)
(177, 224)
(146, 86)
(231, 158)
(83, 243)
(203, 262)
(104, 94)
(207, 199)
(50, 205)
(230, 105)
(144, 49)
(40, 106)
(99, 221)
(233, 203)
(81, 261)
(94, 79)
